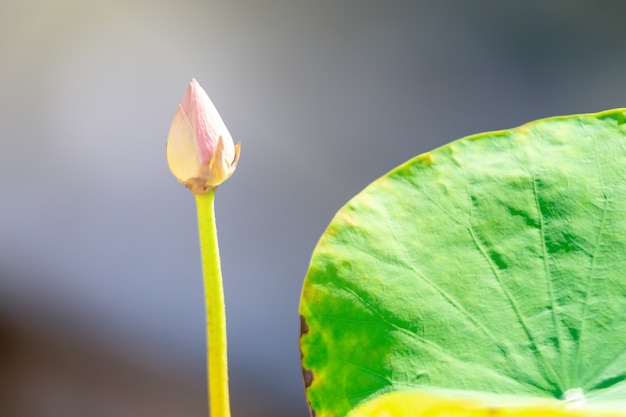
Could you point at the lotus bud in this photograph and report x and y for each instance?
(200, 151)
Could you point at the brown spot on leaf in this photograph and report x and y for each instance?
(307, 375)
(304, 328)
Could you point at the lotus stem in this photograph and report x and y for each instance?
(217, 363)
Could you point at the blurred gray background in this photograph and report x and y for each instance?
(101, 304)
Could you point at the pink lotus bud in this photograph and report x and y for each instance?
(200, 151)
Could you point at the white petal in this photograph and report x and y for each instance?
(182, 152)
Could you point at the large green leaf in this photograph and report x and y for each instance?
(493, 267)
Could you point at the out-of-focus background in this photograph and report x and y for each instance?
(101, 304)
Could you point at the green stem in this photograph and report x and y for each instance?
(217, 365)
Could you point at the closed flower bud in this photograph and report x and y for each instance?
(200, 151)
